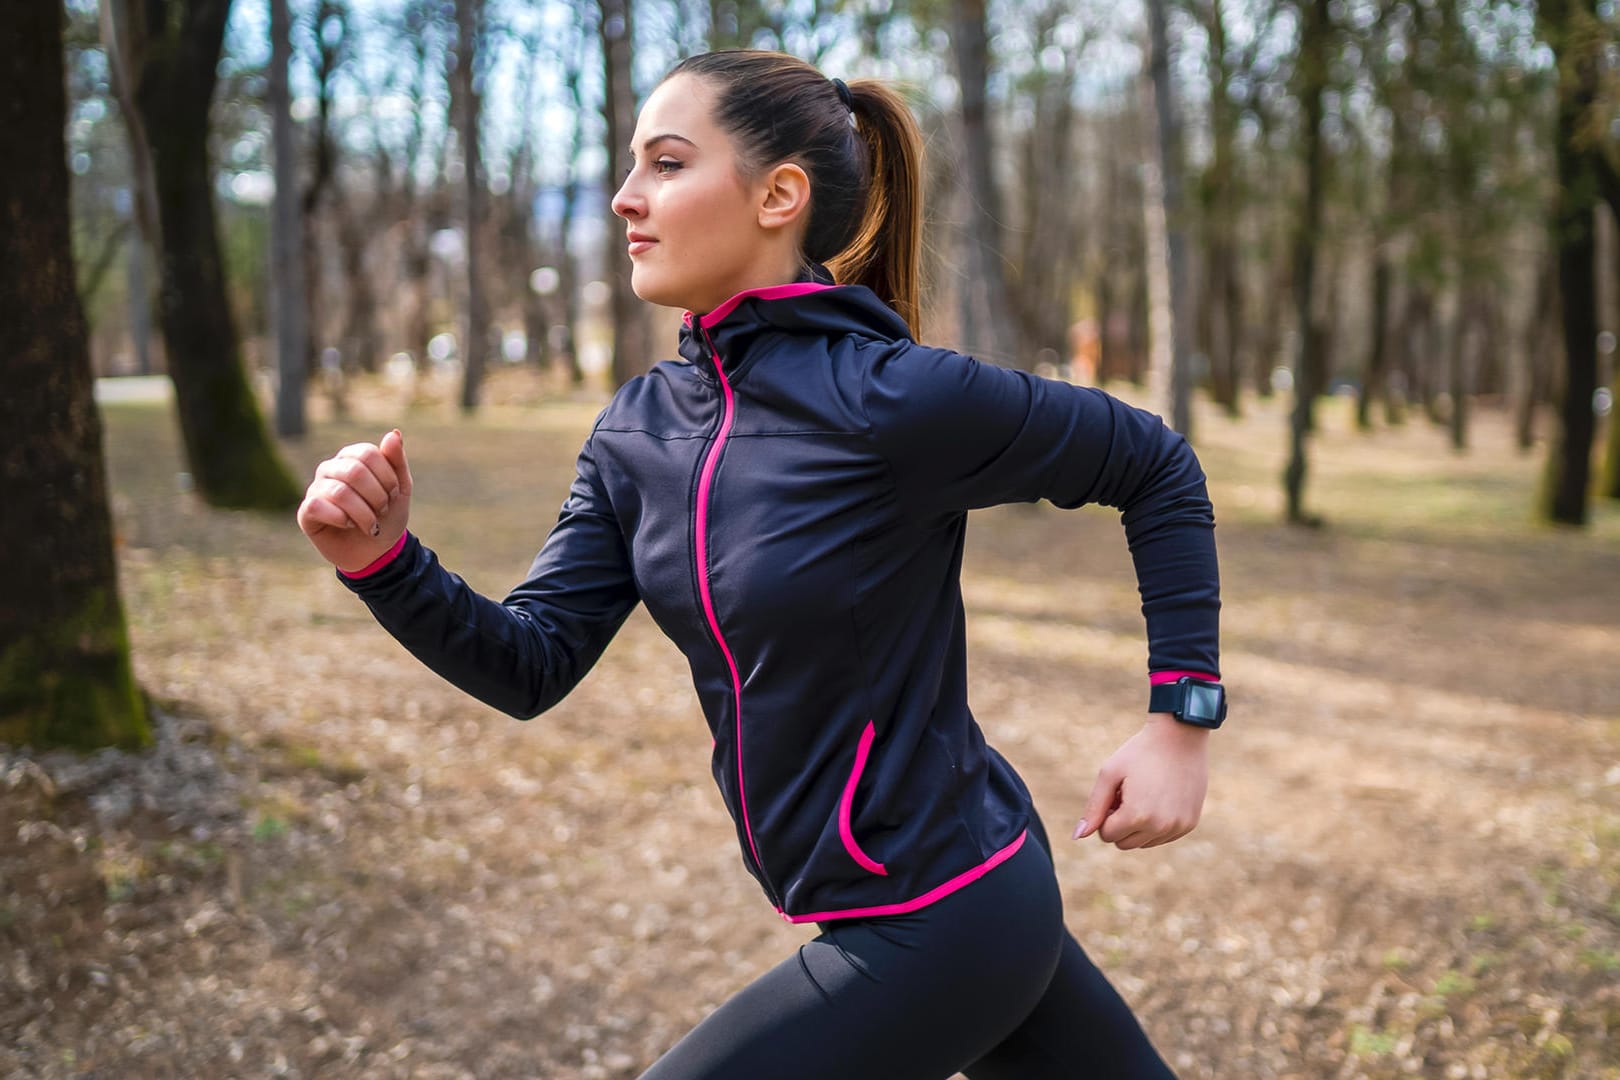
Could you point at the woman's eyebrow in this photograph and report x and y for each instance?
(654, 140)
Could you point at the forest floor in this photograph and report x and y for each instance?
(334, 865)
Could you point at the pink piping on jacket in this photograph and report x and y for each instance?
(704, 484)
(846, 805)
(939, 892)
(1171, 676)
(769, 292)
(381, 561)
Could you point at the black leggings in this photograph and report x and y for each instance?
(986, 982)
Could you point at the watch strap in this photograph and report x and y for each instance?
(1171, 697)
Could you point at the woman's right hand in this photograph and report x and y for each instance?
(359, 503)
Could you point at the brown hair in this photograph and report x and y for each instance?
(865, 220)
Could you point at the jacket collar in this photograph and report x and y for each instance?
(810, 305)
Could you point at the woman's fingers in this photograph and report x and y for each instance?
(363, 468)
(316, 513)
(1104, 800)
(392, 450)
(359, 512)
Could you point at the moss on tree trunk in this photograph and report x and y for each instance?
(68, 681)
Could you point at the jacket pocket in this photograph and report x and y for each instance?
(847, 804)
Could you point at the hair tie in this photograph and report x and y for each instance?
(844, 96)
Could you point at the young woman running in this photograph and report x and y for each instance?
(789, 500)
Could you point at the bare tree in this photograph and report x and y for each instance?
(469, 16)
(1571, 27)
(1050, 235)
(164, 55)
(1220, 306)
(1315, 39)
(286, 237)
(320, 192)
(1170, 170)
(985, 307)
(632, 335)
(65, 676)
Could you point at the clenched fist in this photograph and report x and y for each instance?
(359, 503)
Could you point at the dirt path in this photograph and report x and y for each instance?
(335, 865)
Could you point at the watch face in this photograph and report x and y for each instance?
(1202, 703)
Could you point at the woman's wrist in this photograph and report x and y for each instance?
(378, 563)
(1165, 725)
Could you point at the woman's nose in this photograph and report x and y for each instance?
(626, 203)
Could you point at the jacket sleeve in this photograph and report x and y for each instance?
(961, 434)
(525, 653)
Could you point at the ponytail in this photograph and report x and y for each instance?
(885, 254)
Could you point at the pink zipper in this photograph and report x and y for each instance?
(702, 544)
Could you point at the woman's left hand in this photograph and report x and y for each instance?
(1151, 791)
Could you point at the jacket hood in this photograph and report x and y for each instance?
(812, 304)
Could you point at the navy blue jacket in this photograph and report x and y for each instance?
(790, 501)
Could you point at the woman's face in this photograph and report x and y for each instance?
(693, 220)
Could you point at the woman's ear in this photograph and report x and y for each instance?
(785, 200)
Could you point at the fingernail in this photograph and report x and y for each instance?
(1080, 828)
(396, 493)
(376, 528)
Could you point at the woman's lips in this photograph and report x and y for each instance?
(639, 246)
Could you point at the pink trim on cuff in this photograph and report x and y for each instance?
(1171, 676)
(387, 557)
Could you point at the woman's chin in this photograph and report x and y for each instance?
(655, 292)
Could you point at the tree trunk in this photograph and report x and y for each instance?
(1049, 231)
(568, 286)
(468, 14)
(286, 238)
(1570, 470)
(65, 675)
(1574, 241)
(1106, 358)
(140, 304)
(1314, 34)
(1138, 325)
(1374, 381)
(632, 334)
(170, 50)
(1540, 343)
(1611, 451)
(1221, 298)
(568, 295)
(362, 346)
(1175, 225)
(330, 26)
(1460, 380)
(985, 308)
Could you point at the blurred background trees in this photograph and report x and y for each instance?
(1407, 202)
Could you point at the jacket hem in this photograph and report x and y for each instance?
(939, 892)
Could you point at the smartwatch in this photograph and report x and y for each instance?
(1192, 701)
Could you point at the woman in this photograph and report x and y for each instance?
(789, 500)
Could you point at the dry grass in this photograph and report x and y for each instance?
(335, 865)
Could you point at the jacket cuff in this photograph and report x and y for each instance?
(1158, 677)
(387, 557)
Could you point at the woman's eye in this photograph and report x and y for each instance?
(662, 166)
